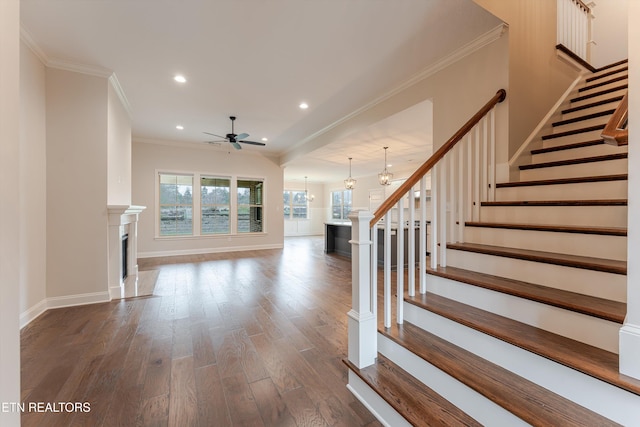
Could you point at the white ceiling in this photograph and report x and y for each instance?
(258, 60)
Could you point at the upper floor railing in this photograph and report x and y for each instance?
(574, 27)
(463, 174)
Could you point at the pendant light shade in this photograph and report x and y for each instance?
(349, 183)
(384, 177)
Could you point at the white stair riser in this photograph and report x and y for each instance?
(607, 167)
(596, 216)
(619, 70)
(580, 327)
(570, 139)
(579, 191)
(596, 121)
(471, 402)
(591, 99)
(591, 110)
(595, 283)
(576, 153)
(608, 86)
(374, 403)
(609, 401)
(590, 245)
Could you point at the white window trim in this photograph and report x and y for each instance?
(196, 224)
(290, 218)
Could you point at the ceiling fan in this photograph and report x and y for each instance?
(234, 138)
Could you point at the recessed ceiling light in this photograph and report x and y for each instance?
(180, 78)
(265, 139)
(303, 105)
(179, 127)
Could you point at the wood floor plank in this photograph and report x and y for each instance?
(272, 408)
(242, 405)
(221, 333)
(183, 404)
(212, 405)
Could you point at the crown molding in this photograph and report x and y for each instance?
(28, 40)
(455, 56)
(115, 84)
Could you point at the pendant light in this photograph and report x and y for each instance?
(384, 177)
(307, 197)
(349, 183)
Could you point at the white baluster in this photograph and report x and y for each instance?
(442, 174)
(374, 268)
(423, 235)
(492, 156)
(400, 263)
(434, 216)
(411, 235)
(387, 270)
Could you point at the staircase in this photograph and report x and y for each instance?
(521, 325)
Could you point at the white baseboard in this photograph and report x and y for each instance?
(630, 350)
(32, 313)
(38, 309)
(154, 254)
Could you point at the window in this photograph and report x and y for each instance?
(296, 205)
(176, 205)
(215, 205)
(250, 206)
(340, 204)
(214, 210)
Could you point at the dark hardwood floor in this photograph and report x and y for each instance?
(238, 339)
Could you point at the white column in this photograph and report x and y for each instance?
(363, 347)
(630, 331)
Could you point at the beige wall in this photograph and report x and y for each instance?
(537, 76)
(149, 158)
(609, 31)
(33, 185)
(119, 151)
(76, 186)
(11, 258)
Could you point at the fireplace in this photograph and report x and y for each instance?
(123, 243)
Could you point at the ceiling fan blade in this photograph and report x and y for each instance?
(253, 143)
(242, 136)
(218, 136)
(236, 145)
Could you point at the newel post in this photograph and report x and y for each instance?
(362, 320)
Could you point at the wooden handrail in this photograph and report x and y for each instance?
(616, 132)
(581, 5)
(436, 157)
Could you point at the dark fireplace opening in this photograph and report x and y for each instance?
(125, 247)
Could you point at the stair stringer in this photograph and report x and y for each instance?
(580, 327)
(600, 397)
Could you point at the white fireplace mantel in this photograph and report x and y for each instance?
(123, 219)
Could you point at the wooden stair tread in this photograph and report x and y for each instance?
(573, 132)
(598, 307)
(603, 83)
(576, 261)
(593, 361)
(582, 160)
(568, 146)
(416, 402)
(614, 64)
(561, 181)
(593, 104)
(528, 401)
(603, 231)
(595, 202)
(599, 93)
(582, 118)
(610, 73)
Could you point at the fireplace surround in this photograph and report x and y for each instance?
(123, 221)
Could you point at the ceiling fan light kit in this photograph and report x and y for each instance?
(234, 138)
